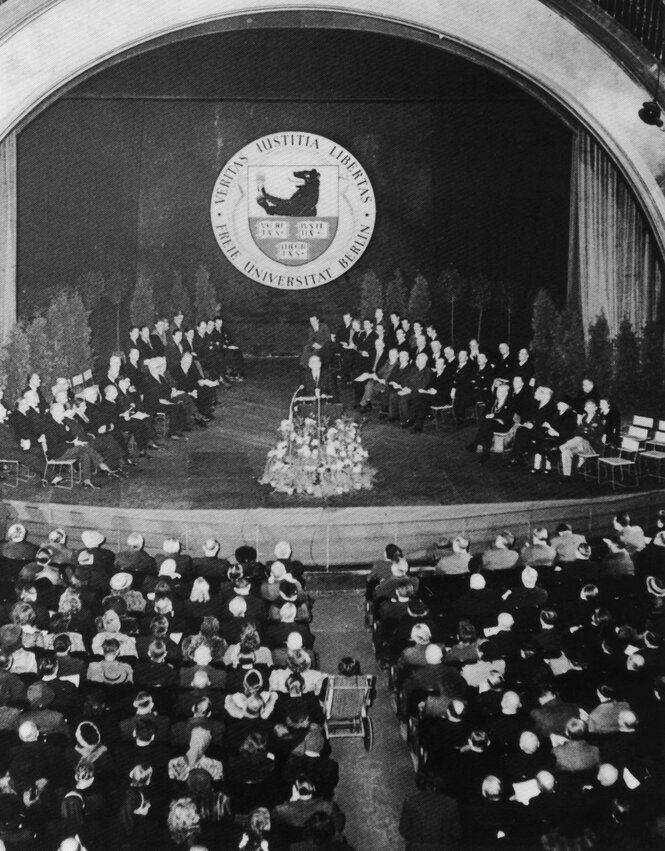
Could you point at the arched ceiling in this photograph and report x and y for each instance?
(48, 46)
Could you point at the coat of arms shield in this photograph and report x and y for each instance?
(293, 210)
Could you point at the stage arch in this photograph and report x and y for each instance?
(47, 46)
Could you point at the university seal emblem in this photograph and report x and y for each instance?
(293, 210)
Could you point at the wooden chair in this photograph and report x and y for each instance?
(621, 465)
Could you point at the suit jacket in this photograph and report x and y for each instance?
(174, 353)
(155, 391)
(420, 379)
(59, 437)
(430, 822)
(324, 383)
(503, 416)
(463, 379)
(523, 404)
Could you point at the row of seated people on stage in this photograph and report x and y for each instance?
(216, 355)
(531, 689)
(545, 430)
(404, 370)
(166, 701)
(94, 425)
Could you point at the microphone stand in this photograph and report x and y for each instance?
(293, 400)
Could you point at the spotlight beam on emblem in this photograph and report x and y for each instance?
(293, 210)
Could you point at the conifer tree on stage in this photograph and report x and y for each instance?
(651, 384)
(451, 285)
(178, 298)
(67, 329)
(15, 363)
(482, 290)
(544, 324)
(91, 286)
(420, 303)
(205, 295)
(568, 361)
(371, 295)
(626, 366)
(601, 351)
(43, 351)
(396, 294)
(142, 307)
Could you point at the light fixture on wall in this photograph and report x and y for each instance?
(650, 112)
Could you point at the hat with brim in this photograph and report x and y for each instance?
(655, 586)
(10, 637)
(121, 582)
(115, 673)
(92, 538)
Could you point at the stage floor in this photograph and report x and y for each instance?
(219, 467)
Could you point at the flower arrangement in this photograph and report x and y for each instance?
(320, 460)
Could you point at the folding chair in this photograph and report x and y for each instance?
(11, 469)
(346, 705)
(640, 422)
(588, 465)
(87, 377)
(651, 459)
(17, 471)
(77, 382)
(69, 469)
(639, 433)
(619, 465)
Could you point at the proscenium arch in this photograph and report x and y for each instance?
(46, 46)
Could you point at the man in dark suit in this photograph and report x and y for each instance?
(344, 347)
(24, 450)
(499, 419)
(399, 378)
(317, 382)
(503, 365)
(414, 398)
(461, 393)
(319, 342)
(378, 384)
(377, 358)
(62, 445)
(158, 337)
(531, 431)
(174, 350)
(482, 382)
(429, 820)
(157, 397)
(521, 399)
(365, 347)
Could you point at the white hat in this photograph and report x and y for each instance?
(92, 539)
(121, 582)
(168, 568)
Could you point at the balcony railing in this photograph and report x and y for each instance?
(643, 18)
